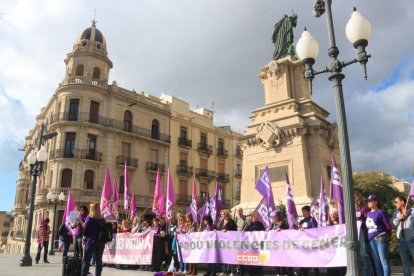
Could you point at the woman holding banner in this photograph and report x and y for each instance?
(191, 228)
(252, 224)
(158, 251)
(306, 223)
(227, 224)
(181, 229)
(209, 226)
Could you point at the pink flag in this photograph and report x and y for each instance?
(126, 188)
(323, 206)
(337, 190)
(170, 196)
(133, 206)
(115, 200)
(292, 214)
(106, 196)
(41, 228)
(70, 213)
(158, 205)
(192, 209)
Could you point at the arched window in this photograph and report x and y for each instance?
(121, 185)
(88, 180)
(66, 178)
(96, 73)
(79, 70)
(155, 129)
(128, 121)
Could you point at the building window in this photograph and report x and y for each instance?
(203, 163)
(121, 187)
(126, 149)
(94, 112)
(154, 156)
(203, 139)
(73, 109)
(183, 132)
(70, 145)
(220, 145)
(91, 147)
(66, 181)
(155, 129)
(183, 159)
(152, 187)
(221, 167)
(96, 73)
(79, 70)
(183, 187)
(128, 121)
(88, 180)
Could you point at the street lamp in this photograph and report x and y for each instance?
(53, 201)
(36, 161)
(358, 31)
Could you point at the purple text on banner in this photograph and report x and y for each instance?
(318, 247)
(130, 249)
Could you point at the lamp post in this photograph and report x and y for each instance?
(36, 161)
(358, 31)
(53, 201)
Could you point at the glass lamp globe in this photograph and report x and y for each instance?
(61, 196)
(42, 155)
(307, 46)
(49, 195)
(358, 28)
(31, 158)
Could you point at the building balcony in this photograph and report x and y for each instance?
(223, 177)
(91, 154)
(86, 117)
(222, 153)
(184, 142)
(205, 174)
(40, 196)
(183, 199)
(141, 201)
(184, 170)
(80, 80)
(238, 173)
(64, 153)
(238, 153)
(204, 149)
(153, 167)
(131, 162)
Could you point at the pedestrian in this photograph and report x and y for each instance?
(403, 223)
(93, 225)
(126, 227)
(379, 235)
(65, 238)
(209, 226)
(306, 223)
(227, 224)
(181, 229)
(43, 242)
(158, 252)
(191, 228)
(240, 219)
(136, 224)
(77, 227)
(252, 224)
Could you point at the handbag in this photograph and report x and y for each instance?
(383, 237)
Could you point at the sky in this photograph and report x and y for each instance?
(209, 53)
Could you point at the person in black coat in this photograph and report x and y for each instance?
(65, 238)
(227, 224)
(252, 224)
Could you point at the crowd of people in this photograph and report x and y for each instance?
(374, 238)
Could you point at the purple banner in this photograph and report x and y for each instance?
(318, 247)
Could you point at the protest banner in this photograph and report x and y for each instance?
(129, 249)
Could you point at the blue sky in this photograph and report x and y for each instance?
(175, 47)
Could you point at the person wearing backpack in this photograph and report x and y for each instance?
(92, 239)
(65, 238)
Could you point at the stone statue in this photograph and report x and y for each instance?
(283, 37)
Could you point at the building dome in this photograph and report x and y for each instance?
(92, 34)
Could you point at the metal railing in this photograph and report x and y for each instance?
(151, 166)
(238, 153)
(223, 153)
(108, 122)
(131, 162)
(88, 154)
(204, 148)
(223, 177)
(184, 170)
(202, 173)
(184, 142)
(183, 199)
(91, 154)
(238, 173)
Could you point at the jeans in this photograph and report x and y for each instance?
(78, 246)
(406, 248)
(381, 258)
(212, 269)
(45, 247)
(90, 249)
(366, 265)
(66, 245)
(183, 266)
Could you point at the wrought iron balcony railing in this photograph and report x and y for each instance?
(184, 142)
(131, 162)
(222, 153)
(184, 170)
(223, 177)
(204, 149)
(206, 174)
(153, 167)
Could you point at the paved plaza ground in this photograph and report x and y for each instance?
(9, 266)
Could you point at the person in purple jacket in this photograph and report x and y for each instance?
(91, 229)
(379, 235)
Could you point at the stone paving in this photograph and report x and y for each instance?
(9, 266)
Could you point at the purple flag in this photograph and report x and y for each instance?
(105, 205)
(192, 209)
(264, 186)
(126, 188)
(292, 214)
(262, 212)
(70, 208)
(337, 191)
(411, 194)
(314, 207)
(205, 210)
(170, 196)
(133, 206)
(158, 205)
(215, 204)
(115, 200)
(323, 206)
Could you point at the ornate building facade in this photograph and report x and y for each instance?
(100, 126)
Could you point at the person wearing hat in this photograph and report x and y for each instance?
(403, 223)
(379, 235)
